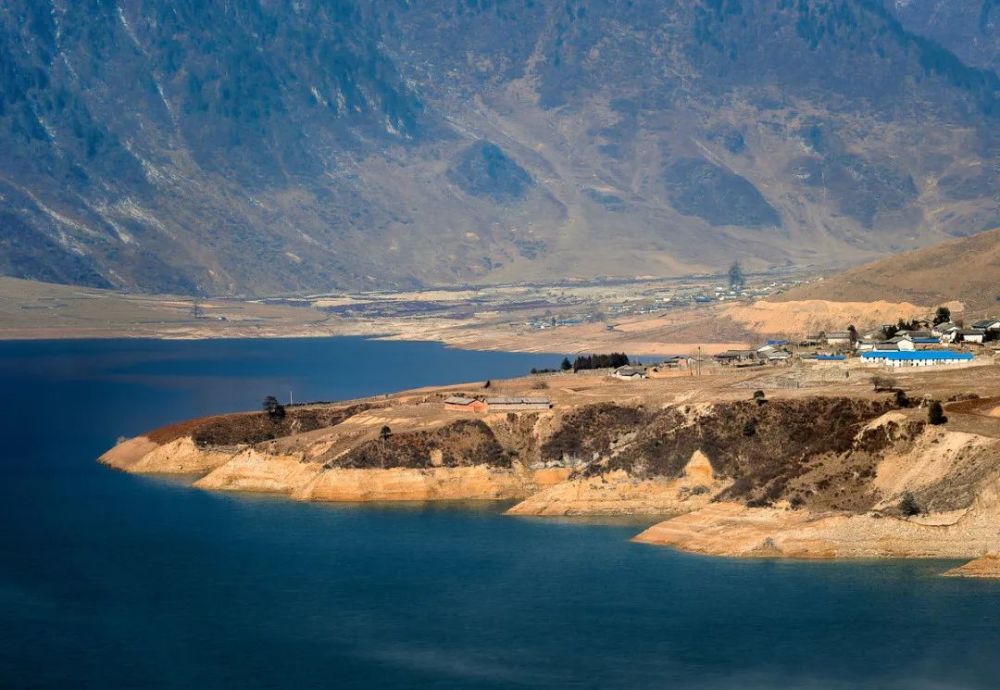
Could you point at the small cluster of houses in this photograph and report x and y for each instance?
(460, 403)
(635, 372)
(906, 348)
(773, 352)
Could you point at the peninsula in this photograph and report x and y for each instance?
(803, 460)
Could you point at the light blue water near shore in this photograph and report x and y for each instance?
(109, 580)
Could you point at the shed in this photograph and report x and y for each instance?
(463, 404)
(630, 373)
(508, 404)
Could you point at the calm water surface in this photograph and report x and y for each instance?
(109, 580)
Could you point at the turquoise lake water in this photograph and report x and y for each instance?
(109, 580)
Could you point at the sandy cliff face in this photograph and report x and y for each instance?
(430, 484)
(956, 473)
(180, 456)
(618, 493)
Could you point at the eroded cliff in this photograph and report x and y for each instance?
(804, 476)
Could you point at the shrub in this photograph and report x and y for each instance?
(883, 383)
(901, 399)
(749, 428)
(935, 413)
(274, 410)
(384, 433)
(908, 506)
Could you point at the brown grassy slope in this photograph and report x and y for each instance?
(967, 270)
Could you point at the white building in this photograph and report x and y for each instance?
(918, 358)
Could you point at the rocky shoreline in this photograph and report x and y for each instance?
(822, 474)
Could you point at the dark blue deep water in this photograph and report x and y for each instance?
(109, 580)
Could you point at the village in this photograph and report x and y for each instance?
(915, 345)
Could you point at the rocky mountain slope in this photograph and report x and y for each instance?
(969, 28)
(244, 147)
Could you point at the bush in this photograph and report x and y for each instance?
(901, 399)
(749, 429)
(883, 383)
(274, 410)
(908, 506)
(935, 413)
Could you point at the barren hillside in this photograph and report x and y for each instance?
(965, 270)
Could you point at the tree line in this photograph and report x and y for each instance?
(612, 360)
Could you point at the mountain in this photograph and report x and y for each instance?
(964, 270)
(969, 28)
(249, 147)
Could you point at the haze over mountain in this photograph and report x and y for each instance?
(262, 147)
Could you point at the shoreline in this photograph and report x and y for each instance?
(590, 458)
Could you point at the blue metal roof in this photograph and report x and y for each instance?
(831, 358)
(916, 355)
(926, 341)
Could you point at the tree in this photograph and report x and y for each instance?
(749, 428)
(736, 279)
(908, 506)
(901, 398)
(384, 433)
(889, 331)
(935, 413)
(274, 410)
(566, 364)
(487, 384)
(942, 315)
(759, 397)
(883, 383)
(853, 333)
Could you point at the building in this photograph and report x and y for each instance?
(988, 325)
(838, 338)
(460, 403)
(903, 343)
(517, 404)
(629, 373)
(972, 335)
(737, 357)
(945, 328)
(831, 358)
(918, 358)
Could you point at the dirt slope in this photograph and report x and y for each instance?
(965, 270)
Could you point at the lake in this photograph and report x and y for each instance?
(110, 580)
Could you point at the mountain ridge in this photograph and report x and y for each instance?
(249, 148)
